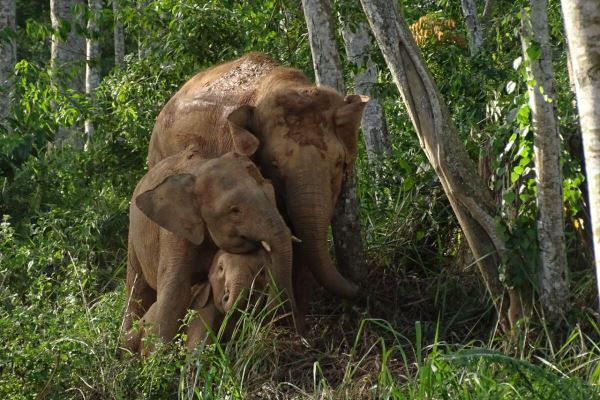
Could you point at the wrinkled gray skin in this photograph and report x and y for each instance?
(181, 211)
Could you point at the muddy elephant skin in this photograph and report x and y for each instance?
(308, 140)
(182, 211)
(232, 277)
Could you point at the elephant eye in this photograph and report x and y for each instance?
(235, 210)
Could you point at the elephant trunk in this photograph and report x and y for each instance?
(310, 211)
(234, 291)
(279, 248)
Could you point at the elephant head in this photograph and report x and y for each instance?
(234, 275)
(228, 199)
(308, 140)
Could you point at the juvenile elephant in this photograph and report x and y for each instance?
(230, 277)
(181, 211)
(308, 140)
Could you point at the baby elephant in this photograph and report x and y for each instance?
(231, 278)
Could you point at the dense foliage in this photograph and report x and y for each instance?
(425, 331)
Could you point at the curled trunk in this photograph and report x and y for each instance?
(310, 212)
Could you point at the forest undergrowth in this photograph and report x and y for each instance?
(423, 328)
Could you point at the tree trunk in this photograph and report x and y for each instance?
(554, 292)
(326, 60)
(68, 47)
(469, 197)
(582, 25)
(488, 10)
(8, 53)
(92, 73)
(119, 35)
(374, 126)
(67, 55)
(474, 31)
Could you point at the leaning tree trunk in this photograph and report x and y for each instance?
(67, 55)
(553, 288)
(474, 31)
(582, 24)
(357, 42)
(8, 53)
(469, 197)
(92, 72)
(328, 71)
(119, 35)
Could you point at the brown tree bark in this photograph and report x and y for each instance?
(470, 199)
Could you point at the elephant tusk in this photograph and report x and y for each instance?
(295, 239)
(265, 245)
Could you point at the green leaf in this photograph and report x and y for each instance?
(509, 197)
(534, 51)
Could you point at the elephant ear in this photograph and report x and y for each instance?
(172, 205)
(347, 121)
(244, 141)
(200, 296)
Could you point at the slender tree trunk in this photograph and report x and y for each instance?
(582, 24)
(469, 197)
(488, 10)
(374, 126)
(554, 292)
(119, 35)
(67, 55)
(8, 53)
(68, 48)
(474, 30)
(92, 73)
(328, 71)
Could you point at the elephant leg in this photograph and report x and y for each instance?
(140, 295)
(175, 268)
(139, 298)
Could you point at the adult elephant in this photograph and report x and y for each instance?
(308, 139)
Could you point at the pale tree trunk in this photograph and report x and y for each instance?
(474, 31)
(470, 199)
(8, 53)
(553, 287)
(92, 72)
(488, 10)
(582, 24)
(67, 53)
(119, 35)
(328, 71)
(374, 126)
(67, 56)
